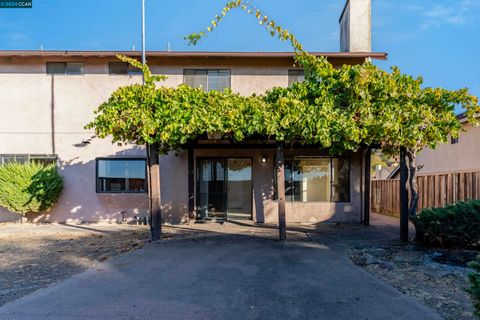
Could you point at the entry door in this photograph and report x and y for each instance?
(224, 189)
(239, 188)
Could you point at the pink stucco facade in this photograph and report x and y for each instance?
(46, 114)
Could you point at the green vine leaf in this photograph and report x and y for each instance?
(339, 109)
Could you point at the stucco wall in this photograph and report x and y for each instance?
(447, 157)
(265, 208)
(29, 98)
(174, 187)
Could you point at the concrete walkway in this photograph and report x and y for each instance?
(390, 224)
(213, 275)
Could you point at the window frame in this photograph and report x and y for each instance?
(290, 198)
(131, 71)
(97, 189)
(65, 65)
(185, 70)
(74, 74)
(349, 198)
(290, 83)
(28, 157)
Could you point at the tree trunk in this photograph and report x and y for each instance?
(403, 196)
(154, 192)
(412, 179)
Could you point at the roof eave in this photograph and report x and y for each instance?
(187, 54)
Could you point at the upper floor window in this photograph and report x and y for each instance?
(208, 79)
(295, 76)
(24, 158)
(122, 68)
(121, 175)
(66, 68)
(453, 140)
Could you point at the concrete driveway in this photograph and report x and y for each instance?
(218, 276)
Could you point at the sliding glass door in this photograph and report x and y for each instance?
(224, 189)
(239, 188)
(211, 189)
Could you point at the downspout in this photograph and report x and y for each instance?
(191, 182)
(52, 114)
(367, 191)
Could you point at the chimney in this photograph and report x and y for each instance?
(356, 26)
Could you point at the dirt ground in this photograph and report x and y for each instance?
(234, 270)
(36, 256)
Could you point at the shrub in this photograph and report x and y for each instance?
(474, 289)
(29, 187)
(455, 225)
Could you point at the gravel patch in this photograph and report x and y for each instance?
(414, 272)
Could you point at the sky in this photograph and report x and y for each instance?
(436, 39)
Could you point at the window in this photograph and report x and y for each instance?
(340, 180)
(66, 68)
(56, 67)
(76, 68)
(295, 76)
(123, 68)
(207, 79)
(23, 158)
(317, 179)
(453, 140)
(121, 175)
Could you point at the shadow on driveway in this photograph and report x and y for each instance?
(236, 272)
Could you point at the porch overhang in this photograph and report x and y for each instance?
(279, 150)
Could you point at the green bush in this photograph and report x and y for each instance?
(474, 289)
(456, 225)
(29, 187)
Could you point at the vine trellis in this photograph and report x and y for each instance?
(339, 109)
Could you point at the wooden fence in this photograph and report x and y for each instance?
(434, 190)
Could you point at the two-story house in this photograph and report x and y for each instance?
(47, 97)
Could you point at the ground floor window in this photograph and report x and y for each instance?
(24, 158)
(324, 179)
(121, 175)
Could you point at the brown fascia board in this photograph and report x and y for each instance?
(186, 54)
(462, 117)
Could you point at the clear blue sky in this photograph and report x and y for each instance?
(438, 39)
